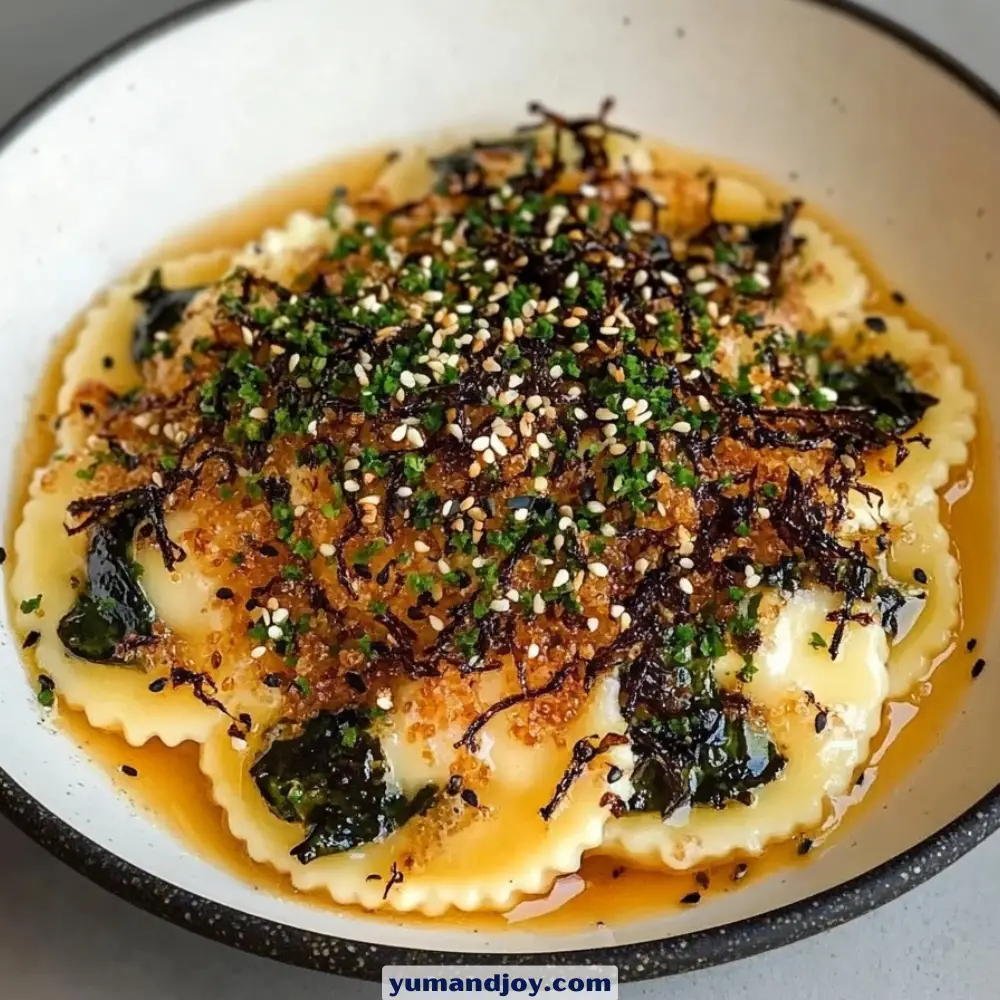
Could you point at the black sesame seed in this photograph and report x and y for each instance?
(805, 846)
(919, 575)
(158, 685)
(30, 639)
(374, 877)
(971, 644)
(899, 298)
(129, 770)
(108, 361)
(618, 871)
(614, 774)
(875, 323)
(691, 898)
(3, 555)
(740, 871)
(702, 879)
(820, 722)
(454, 784)
(978, 667)
(272, 680)
(469, 797)
(224, 594)
(267, 550)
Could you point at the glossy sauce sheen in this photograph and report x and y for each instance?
(170, 785)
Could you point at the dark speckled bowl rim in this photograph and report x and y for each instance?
(642, 960)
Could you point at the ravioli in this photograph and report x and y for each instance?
(459, 853)
(51, 564)
(102, 359)
(822, 714)
(940, 440)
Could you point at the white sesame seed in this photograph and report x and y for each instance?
(533, 651)
(695, 373)
(274, 632)
(541, 484)
(681, 427)
(561, 579)
(598, 569)
(399, 433)
(247, 335)
(827, 393)
(351, 485)
(685, 584)
(384, 701)
(258, 413)
(596, 507)
(538, 604)
(641, 565)
(556, 371)
(572, 279)
(157, 479)
(500, 604)
(543, 441)
(258, 651)
(763, 513)
(686, 563)
(704, 287)
(625, 622)
(616, 611)
(521, 514)
(435, 623)
(703, 404)
(616, 263)
(593, 624)
(481, 443)
(327, 550)
(414, 437)
(280, 615)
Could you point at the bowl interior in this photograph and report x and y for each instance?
(198, 118)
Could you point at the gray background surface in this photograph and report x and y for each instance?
(61, 936)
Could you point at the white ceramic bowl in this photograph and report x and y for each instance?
(200, 111)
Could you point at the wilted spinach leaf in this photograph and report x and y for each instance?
(332, 777)
(708, 758)
(113, 606)
(163, 310)
(883, 385)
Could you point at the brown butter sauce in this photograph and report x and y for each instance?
(170, 785)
